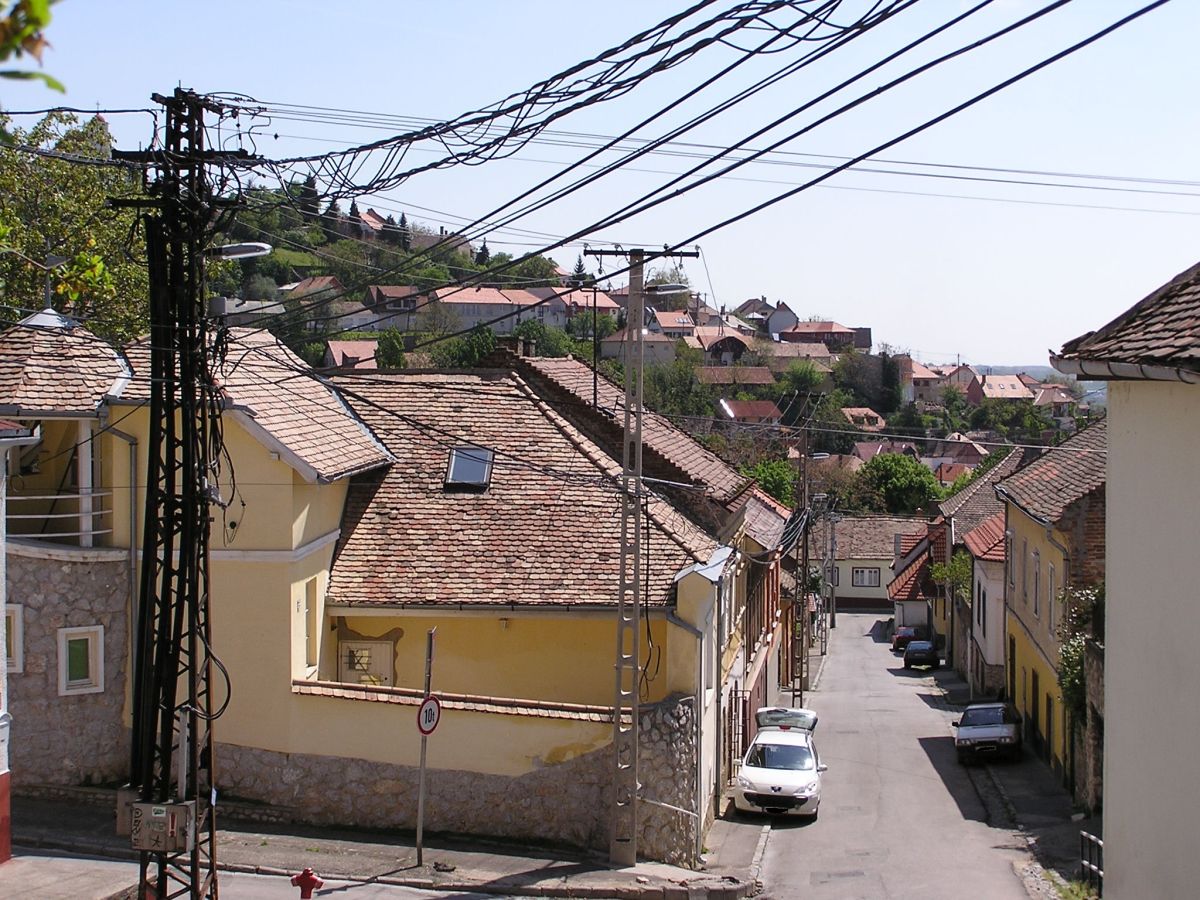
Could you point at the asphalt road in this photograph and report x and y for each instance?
(900, 818)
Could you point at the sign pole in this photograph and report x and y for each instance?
(424, 741)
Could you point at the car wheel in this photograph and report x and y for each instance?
(937, 664)
(908, 665)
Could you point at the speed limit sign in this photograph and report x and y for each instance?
(429, 714)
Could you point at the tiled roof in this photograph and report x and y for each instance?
(977, 502)
(799, 349)
(50, 365)
(986, 541)
(1163, 329)
(673, 319)
(949, 472)
(909, 583)
(874, 537)
(1050, 395)
(765, 518)
(867, 450)
(279, 394)
(406, 540)
(618, 337)
(863, 417)
(581, 299)
(487, 295)
(1060, 476)
(920, 370)
(710, 335)
(354, 354)
(1004, 387)
(659, 434)
(734, 375)
(378, 292)
(820, 328)
(318, 284)
(750, 409)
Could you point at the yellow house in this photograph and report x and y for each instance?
(1054, 532)
(352, 520)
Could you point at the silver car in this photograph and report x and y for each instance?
(988, 729)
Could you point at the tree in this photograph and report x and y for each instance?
(309, 200)
(956, 574)
(890, 395)
(21, 35)
(904, 483)
(404, 235)
(954, 402)
(775, 476)
(483, 254)
(862, 375)
(355, 217)
(437, 318)
(464, 352)
(389, 351)
(579, 275)
(53, 207)
(331, 220)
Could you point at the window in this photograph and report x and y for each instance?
(864, 577)
(81, 660)
(312, 633)
(1012, 560)
(1025, 570)
(1037, 583)
(469, 467)
(366, 662)
(14, 637)
(982, 610)
(834, 576)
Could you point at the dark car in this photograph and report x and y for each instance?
(920, 653)
(902, 636)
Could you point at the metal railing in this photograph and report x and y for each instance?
(73, 518)
(1091, 861)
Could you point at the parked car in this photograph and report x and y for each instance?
(781, 771)
(902, 635)
(988, 729)
(921, 653)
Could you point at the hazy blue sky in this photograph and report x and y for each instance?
(996, 272)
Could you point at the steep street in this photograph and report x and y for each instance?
(900, 817)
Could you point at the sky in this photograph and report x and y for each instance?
(951, 263)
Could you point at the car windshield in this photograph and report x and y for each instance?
(989, 716)
(780, 756)
(906, 629)
(917, 646)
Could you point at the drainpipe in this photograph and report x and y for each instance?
(699, 717)
(133, 524)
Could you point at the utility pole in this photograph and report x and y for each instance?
(172, 760)
(623, 836)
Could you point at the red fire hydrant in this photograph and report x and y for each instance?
(307, 881)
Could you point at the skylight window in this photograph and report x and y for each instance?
(470, 467)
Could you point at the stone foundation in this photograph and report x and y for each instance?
(565, 803)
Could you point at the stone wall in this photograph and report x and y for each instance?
(1089, 734)
(78, 739)
(565, 803)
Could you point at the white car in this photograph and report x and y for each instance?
(781, 771)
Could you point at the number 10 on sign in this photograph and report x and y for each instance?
(428, 715)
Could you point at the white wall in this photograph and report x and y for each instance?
(1152, 666)
(990, 640)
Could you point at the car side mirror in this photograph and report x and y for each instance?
(821, 767)
(954, 724)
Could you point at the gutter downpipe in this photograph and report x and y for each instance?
(134, 601)
(699, 716)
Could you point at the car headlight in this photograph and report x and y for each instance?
(965, 742)
(1005, 740)
(805, 789)
(744, 782)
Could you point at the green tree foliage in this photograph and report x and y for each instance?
(1016, 420)
(437, 318)
(389, 351)
(890, 396)
(21, 25)
(903, 482)
(956, 573)
(404, 234)
(307, 199)
(483, 254)
(331, 220)
(860, 375)
(579, 275)
(775, 476)
(580, 326)
(53, 207)
(464, 352)
(671, 388)
(957, 410)
(1082, 617)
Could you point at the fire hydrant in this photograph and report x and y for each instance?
(307, 881)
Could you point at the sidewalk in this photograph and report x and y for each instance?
(65, 847)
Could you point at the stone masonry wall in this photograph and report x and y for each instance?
(566, 803)
(78, 739)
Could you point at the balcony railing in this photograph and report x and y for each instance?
(74, 519)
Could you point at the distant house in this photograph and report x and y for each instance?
(781, 354)
(948, 472)
(358, 355)
(959, 377)
(478, 305)
(656, 348)
(748, 412)
(781, 318)
(1058, 401)
(235, 311)
(395, 306)
(563, 305)
(864, 418)
(985, 542)
(919, 383)
(748, 375)
(721, 346)
(858, 552)
(868, 450)
(674, 323)
(834, 336)
(997, 387)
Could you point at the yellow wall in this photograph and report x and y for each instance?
(1031, 625)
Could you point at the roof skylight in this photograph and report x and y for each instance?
(469, 467)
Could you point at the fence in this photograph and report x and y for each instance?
(1091, 861)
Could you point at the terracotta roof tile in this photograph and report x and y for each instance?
(734, 375)
(765, 518)
(406, 540)
(874, 537)
(1162, 329)
(50, 365)
(279, 393)
(1061, 475)
(986, 541)
(909, 584)
(750, 409)
(977, 502)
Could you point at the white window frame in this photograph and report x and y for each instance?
(386, 666)
(94, 634)
(835, 575)
(1025, 570)
(1037, 583)
(1051, 586)
(14, 631)
(861, 576)
(312, 629)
